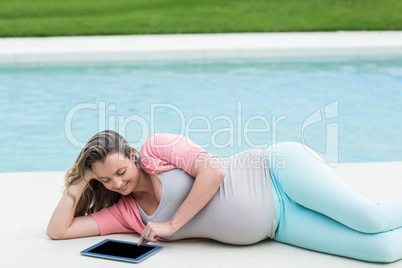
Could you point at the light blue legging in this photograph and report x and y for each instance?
(317, 211)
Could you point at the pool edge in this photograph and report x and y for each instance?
(200, 47)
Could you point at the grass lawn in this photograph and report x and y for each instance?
(21, 18)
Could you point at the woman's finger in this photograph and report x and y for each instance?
(145, 234)
(148, 234)
(140, 241)
(143, 238)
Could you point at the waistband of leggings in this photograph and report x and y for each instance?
(277, 199)
(276, 192)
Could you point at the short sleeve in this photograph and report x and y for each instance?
(163, 152)
(122, 217)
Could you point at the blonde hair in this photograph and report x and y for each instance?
(96, 196)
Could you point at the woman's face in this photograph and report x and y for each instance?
(117, 173)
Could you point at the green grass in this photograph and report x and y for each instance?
(20, 18)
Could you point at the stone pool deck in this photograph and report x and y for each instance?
(28, 200)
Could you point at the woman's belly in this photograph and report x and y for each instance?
(242, 211)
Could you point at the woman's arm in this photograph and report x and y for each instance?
(63, 224)
(208, 177)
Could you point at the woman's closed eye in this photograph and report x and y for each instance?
(107, 180)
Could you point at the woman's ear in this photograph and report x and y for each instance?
(132, 154)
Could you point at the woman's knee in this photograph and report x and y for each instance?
(386, 251)
(371, 222)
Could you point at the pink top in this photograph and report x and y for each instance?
(161, 152)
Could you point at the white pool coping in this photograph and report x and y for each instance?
(201, 47)
(28, 200)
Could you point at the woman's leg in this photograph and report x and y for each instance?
(305, 228)
(308, 181)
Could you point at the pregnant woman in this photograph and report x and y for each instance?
(173, 189)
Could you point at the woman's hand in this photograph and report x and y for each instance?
(154, 230)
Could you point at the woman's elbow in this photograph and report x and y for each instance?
(218, 169)
(209, 167)
(54, 234)
(217, 175)
(220, 174)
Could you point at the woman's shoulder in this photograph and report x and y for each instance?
(165, 144)
(166, 139)
(164, 151)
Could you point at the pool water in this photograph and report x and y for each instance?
(345, 110)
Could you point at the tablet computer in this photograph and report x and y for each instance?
(121, 250)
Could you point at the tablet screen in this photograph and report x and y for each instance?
(121, 249)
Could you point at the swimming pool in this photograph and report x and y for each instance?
(347, 110)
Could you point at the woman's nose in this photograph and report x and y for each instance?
(117, 183)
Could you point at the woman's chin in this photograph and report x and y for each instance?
(125, 193)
